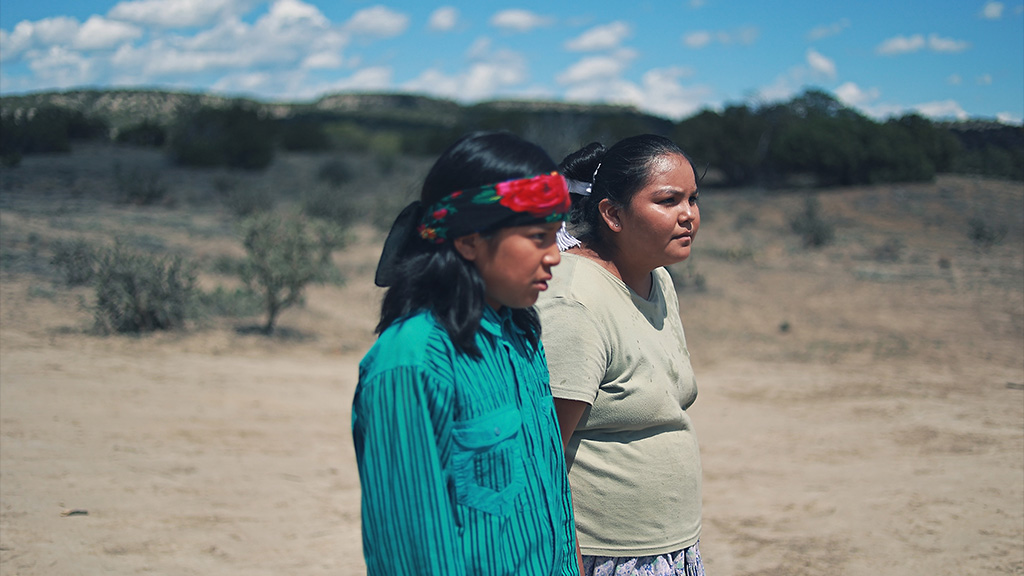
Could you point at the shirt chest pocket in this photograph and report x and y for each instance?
(488, 461)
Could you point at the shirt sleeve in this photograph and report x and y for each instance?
(401, 425)
(576, 352)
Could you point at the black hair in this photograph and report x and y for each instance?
(616, 173)
(435, 277)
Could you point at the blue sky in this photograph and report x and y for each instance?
(940, 58)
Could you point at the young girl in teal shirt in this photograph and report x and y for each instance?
(458, 448)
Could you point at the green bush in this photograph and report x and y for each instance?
(245, 202)
(303, 135)
(75, 260)
(984, 234)
(140, 186)
(145, 133)
(815, 231)
(137, 293)
(284, 254)
(235, 137)
(329, 203)
(237, 303)
(335, 172)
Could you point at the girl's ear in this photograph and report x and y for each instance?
(469, 246)
(610, 214)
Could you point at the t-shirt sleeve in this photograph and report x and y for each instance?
(399, 425)
(576, 351)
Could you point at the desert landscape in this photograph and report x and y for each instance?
(861, 406)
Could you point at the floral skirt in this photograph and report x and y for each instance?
(685, 562)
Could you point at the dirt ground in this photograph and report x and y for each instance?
(861, 406)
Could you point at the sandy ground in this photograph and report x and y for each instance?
(857, 416)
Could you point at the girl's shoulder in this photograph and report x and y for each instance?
(415, 341)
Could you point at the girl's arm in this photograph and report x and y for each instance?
(569, 413)
(400, 428)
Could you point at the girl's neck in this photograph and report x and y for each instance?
(637, 278)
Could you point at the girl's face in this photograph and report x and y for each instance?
(661, 222)
(515, 263)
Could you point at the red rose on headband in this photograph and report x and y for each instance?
(539, 196)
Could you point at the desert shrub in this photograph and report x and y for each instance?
(75, 260)
(983, 233)
(137, 292)
(890, 251)
(245, 202)
(145, 133)
(329, 203)
(284, 254)
(140, 186)
(236, 137)
(335, 172)
(237, 303)
(303, 135)
(812, 228)
(47, 129)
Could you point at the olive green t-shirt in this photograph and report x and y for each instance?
(634, 465)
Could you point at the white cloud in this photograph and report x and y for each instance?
(62, 68)
(291, 36)
(820, 64)
(378, 22)
(698, 39)
(323, 60)
(940, 110)
(444, 19)
(827, 30)
(939, 44)
(992, 10)
(701, 38)
(906, 44)
(598, 67)
(99, 33)
(1009, 118)
(287, 12)
(954, 79)
(519, 20)
(488, 74)
(660, 92)
(600, 37)
(901, 45)
(852, 95)
(179, 13)
(40, 34)
(985, 80)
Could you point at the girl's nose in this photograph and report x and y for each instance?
(553, 256)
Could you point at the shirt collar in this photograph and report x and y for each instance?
(498, 322)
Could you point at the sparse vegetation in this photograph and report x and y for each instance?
(285, 253)
(237, 137)
(889, 251)
(137, 292)
(983, 233)
(75, 260)
(140, 186)
(811, 226)
(145, 133)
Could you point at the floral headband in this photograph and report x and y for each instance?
(521, 202)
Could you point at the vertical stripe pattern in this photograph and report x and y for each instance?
(460, 459)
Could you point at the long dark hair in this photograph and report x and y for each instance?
(435, 277)
(616, 173)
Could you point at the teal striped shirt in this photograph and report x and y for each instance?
(460, 459)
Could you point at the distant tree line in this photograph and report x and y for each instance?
(812, 138)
